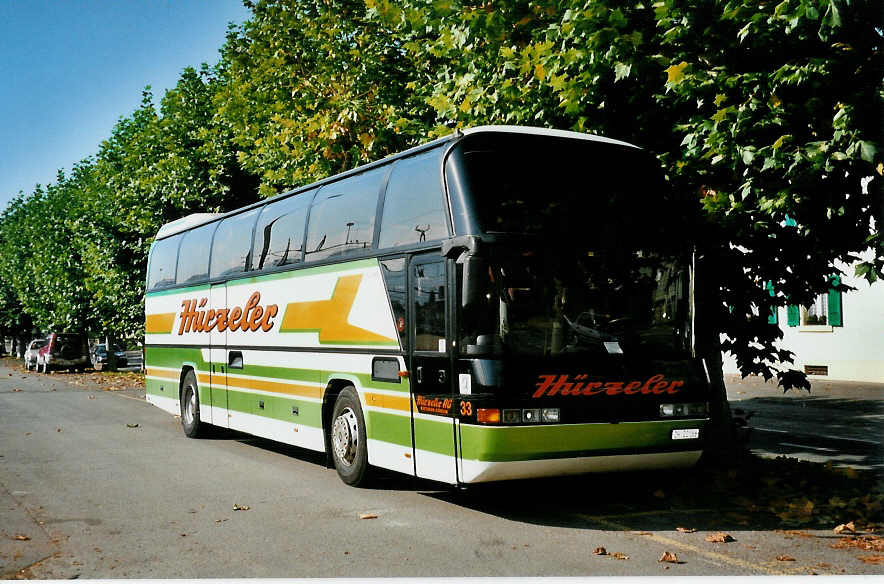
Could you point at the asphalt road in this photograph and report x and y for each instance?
(84, 492)
(841, 422)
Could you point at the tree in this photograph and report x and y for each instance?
(759, 111)
(311, 89)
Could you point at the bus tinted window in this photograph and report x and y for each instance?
(231, 247)
(280, 232)
(394, 276)
(193, 257)
(429, 307)
(414, 206)
(162, 263)
(342, 216)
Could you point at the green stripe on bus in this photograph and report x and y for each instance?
(433, 436)
(277, 408)
(173, 357)
(490, 444)
(185, 290)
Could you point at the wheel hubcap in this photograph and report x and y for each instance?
(345, 436)
(190, 406)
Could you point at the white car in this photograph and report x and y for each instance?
(31, 353)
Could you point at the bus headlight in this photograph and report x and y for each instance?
(550, 415)
(512, 416)
(531, 416)
(675, 410)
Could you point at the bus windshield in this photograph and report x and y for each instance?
(590, 254)
(595, 302)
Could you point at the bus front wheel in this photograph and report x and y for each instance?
(348, 441)
(190, 408)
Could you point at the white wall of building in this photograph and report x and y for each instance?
(852, 352)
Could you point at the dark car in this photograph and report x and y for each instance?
(99, 356)
(63, 351)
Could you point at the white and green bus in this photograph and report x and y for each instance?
(502, 303)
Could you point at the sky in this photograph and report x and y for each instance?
(70, 69)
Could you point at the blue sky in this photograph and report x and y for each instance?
(70, 69)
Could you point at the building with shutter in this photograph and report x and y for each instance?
(839, 337)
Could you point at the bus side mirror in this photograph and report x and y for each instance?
(475, 270)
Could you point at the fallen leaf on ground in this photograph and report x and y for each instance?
(600, 551)
(719, 537)
(669, 557)
(797, 532)
(58, 429)
(619, 556)
(685, 529)
(644, 533)
(237, 507)
(368, 516)
(21, 537)
(785, 558)
(846, 527)
(871, 559)
(131, 425)
(871, 543)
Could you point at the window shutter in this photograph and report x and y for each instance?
(794, 315)
(835, 303)
(772, 318)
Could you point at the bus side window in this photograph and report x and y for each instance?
(414, 205)
(279, 235)
(429, 307)
(193, 256)
(232, 244)
(343, 215)
(163, 259)
(394, 276)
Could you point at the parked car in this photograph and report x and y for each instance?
(63, 351)
(31, 353)
(99, 356)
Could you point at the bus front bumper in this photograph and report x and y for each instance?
(496, 453)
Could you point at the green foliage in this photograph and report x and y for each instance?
(312, 89)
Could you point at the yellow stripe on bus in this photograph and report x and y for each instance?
(389, 402)
(153, 372)
(159, 323)
(329, 317)
(377, 400)
(269, 386)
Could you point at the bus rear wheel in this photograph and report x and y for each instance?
(348, 439)
(190, 408)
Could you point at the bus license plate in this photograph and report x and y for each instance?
(686, 434)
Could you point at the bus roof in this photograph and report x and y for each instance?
(197, 219)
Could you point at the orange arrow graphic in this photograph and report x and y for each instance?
(329, 317)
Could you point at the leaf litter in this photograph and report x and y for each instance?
(669, 557)
(720, 537)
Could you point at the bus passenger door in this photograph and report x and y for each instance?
(430, 372)
(218, 360)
